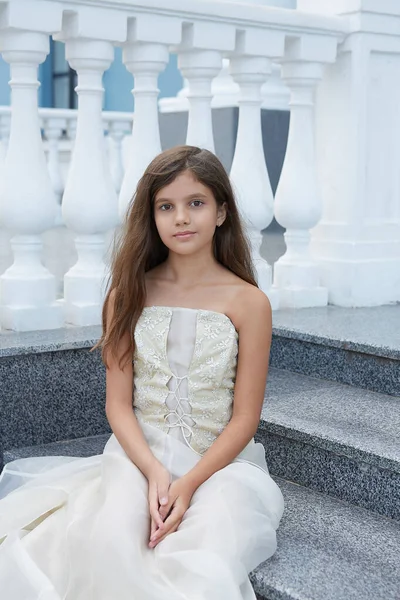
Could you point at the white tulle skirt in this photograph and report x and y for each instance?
(78, 528)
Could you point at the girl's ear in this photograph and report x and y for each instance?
(221, 214)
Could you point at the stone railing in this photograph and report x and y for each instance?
(58, 129)
(253, 38)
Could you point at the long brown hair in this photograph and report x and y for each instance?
(139, 247)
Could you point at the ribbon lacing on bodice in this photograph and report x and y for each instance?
(176, 415)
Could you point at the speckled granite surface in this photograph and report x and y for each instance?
(363, 424)
(89, 446)
(51, 396)
(334, 438)
(330, 550)
(336, 364)
(359, 346)
(350, 480)
(66, 338)
(374, 330)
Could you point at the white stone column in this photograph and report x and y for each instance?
(298, 205)
(145, 60)
(357, 242)
(5, 248)
(117, 130)
(71, 129)
(274, 92)
(90, 207)
(199, 67)
(249, 174)
(53, 128)
(27, 201)
(5, 125)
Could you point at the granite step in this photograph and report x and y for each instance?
(331, 437)
(334, 438)
(88, 446)
(330, 550)
(357, 346)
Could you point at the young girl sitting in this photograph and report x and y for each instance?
(180, 505)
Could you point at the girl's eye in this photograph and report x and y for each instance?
(167, 207)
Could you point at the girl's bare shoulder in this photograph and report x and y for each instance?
(249, 304)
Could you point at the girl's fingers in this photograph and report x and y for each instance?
(164, 511)
(153, 527)
(175, 515)
(155, 515)
(153, 506)
(164, 535)
(173, 520)
(163, 494)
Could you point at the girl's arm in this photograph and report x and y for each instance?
(255, 331)
(123, 422)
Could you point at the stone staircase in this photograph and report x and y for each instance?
(330, 425)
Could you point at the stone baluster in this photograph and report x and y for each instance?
(145, 60)
(298, 203)
(274, 92)
(71, 136)
(53, 128)
(71, 129)
(117, 130)
(199, 67)
(5, 125)
(27, 201)
(5, 248)
(89, 206)
(249, 174)
(357, 120)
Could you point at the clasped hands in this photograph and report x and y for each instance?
(168, 502)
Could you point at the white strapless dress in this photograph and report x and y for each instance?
(78, 528)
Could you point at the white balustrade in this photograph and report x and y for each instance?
(117, 128)
(5, 248)
(249, 172)
(243, 53)
(145, 60)
(89, 205)
(298, 203)
(27, 201)
(58, 252)
(71, 129)
(199, 67)
(357, 242)
(225, 92)
(53, 128)
(5, 125)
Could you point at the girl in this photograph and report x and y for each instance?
(180, 506)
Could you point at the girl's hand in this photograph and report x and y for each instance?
(179, 497)
(159, 481)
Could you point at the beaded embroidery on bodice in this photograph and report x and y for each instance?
(184, 372)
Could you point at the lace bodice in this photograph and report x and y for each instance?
(185, 366)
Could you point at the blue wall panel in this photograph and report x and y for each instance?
(4, 79)
(118, 83)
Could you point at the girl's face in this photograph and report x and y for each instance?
(186, 214)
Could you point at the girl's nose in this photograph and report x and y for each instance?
(182, 216)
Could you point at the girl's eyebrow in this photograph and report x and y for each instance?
(195, 195)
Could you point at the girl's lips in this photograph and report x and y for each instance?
(184, 235)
